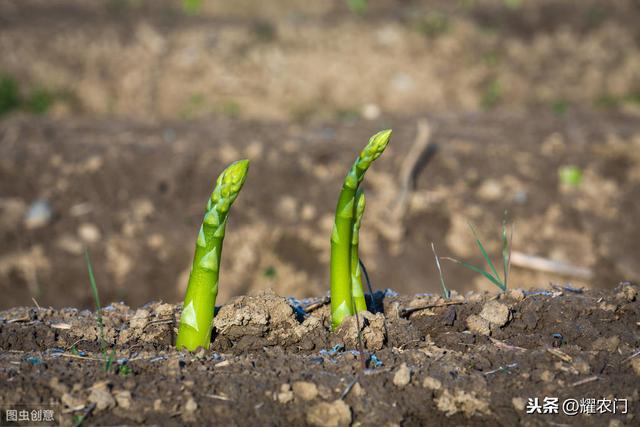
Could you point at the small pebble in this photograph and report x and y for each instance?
(38, 215)
(478, 325)
(518, 403)
(123, 399)
(89, 233)
(431, 383)
(305, 390)
(402, 376)
(330, 414)
(101, 396)
(285, 395)
(635, 365)
(496, 313)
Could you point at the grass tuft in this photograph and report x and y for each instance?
(108, 358)
(446, 293)
(493, 276)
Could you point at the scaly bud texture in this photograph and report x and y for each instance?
(343, 229)
(200, 299)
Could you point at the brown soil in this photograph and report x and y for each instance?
(474, 362)
(141, 190)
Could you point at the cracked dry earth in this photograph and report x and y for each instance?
(473, 360)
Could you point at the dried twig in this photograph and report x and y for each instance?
(19, 319)
(633, 356)
(348, 389)
(316, 305)
(219, 397)
(546, 265)
(415, 159)
(584, 381)
(502, 368)
(158, 322)
(560, 355)
(504, 346)
(411, 165)
(405, 311)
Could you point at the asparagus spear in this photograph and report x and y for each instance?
(341, 300)
(357, 292)
(200, 299)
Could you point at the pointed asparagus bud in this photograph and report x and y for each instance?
(341, 237)
(202, 290)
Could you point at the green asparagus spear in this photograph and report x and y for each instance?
(341, 300)
(200, 299)
(357, 292)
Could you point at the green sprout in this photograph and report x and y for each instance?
(192, 7)
(492, 94)
(349, 212)
(446, 293)
(108, 358)
(570, 175)
(357, 6)
(200, 299)
(493, 277)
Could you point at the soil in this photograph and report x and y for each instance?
(473, 360)
(134, 195)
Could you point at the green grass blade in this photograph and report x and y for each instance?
(445, 292)
(92, 281)
(505, 250)
(484, 252)
(495, 281)
(507, 243)
(96, 298)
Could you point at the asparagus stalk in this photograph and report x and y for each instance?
(341, 299)
(200, 299)
(357, 291)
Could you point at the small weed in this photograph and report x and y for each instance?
(39, 101)
(617, 101)
(433, 24)
(9, 94)
(121, 6)
(512, 4)
(559, 107)
(124, 370)
(264, 31)
(492, 94)
(78, 419)
(192, 7)
(493, 277)
(347, 114)
(491, 59)
(570, 175)
(108, 358)
(357, 6)
(194, 106)
(270, 272)
(230, 109)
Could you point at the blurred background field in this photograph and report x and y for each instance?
(117, 115)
